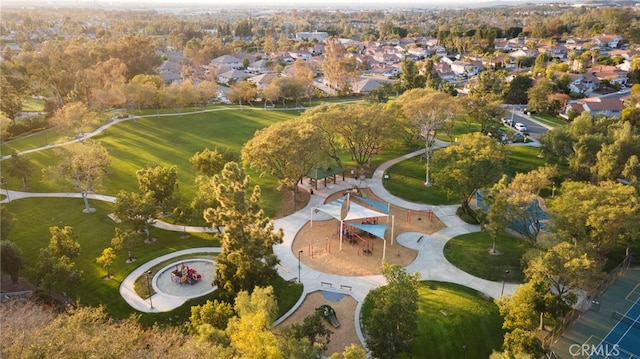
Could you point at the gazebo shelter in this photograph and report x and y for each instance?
(324, 172)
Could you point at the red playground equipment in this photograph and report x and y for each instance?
(184, 274)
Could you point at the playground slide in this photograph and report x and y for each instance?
(329, 314)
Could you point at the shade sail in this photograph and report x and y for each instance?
(356, 211)
(377, 230)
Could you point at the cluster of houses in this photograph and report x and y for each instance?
(381, 61)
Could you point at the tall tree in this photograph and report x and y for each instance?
(538, 95)
(247, 259)
(208, 162)
(517, 90)
(106, 259)
(242, 92)
(11, 103)
(160, 183)
(566, 267)
(19, 166)
(63, 242)
(474, 162)
(136, 210)
(209, 321)
(410, 77)
(286, 150)
(75, 116)
(55, 274)
(516, 202)
(84, 165)
(124, 239)
(393, 321)
(10, 259)
(7, 220)
(339, 68)
(601, 215)
(250, 332)
(424, 111)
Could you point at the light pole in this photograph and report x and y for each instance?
(149, 289)
(299, 266)
(464, 351)
(503, 281)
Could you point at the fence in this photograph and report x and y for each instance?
(585, 303)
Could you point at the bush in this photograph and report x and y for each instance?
(467, 217)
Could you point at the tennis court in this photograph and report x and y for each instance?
(610, 329)
(623, 340)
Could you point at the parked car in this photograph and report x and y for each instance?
(520, 127)
(507, 122)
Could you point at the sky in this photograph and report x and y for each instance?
(292, 3)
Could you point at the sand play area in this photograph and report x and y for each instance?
(320, 244)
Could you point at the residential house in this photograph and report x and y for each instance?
(258, 67)
(467, 68)
(233, 75)
(388, 71)
(319, 36)
(227, 60)
(610, 41)
(365, 86)
(611, 74)
(262, 80)
(610, 107)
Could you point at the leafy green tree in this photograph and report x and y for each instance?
(84, 166)
(20, 167)
(10, 259)
(207, 162)
(566, 267)
(423, 112)
(516, 201)
(475, 161)
(393, 320)
(517, 91)
(124, 239)
(75, 116)
(242, 92)
(55, 274)
(160, 183)
(312, 329)
(209, 321)
(486, 110)
(410, 77)
(136, 210)
(7, 220)
(353, 351)
(539, 95)
(11, 103)
(106, 259)
(63, 242)
(286, 150)
(247, 259)
(599, 215)
(250, 332)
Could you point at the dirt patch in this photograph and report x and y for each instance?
(320, 243)
(345, 308)
(287, 208)
(7, 285)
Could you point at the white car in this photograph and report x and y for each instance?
(520, 127)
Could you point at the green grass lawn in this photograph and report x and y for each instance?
(470, 253)
(32, 104)
(549, 120)
(165, 141)
(451, 316)
(30, 232)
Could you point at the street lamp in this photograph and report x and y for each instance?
(464, 351)
(299, 266)
(503, 281)
(149, 289)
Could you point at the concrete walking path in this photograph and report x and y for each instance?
(430, 262)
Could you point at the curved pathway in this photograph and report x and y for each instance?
(430, 262)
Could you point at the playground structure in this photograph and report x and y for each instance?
(347, 211)
(184, 274)
(329, 314)
(426, 213)
(319, 247)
